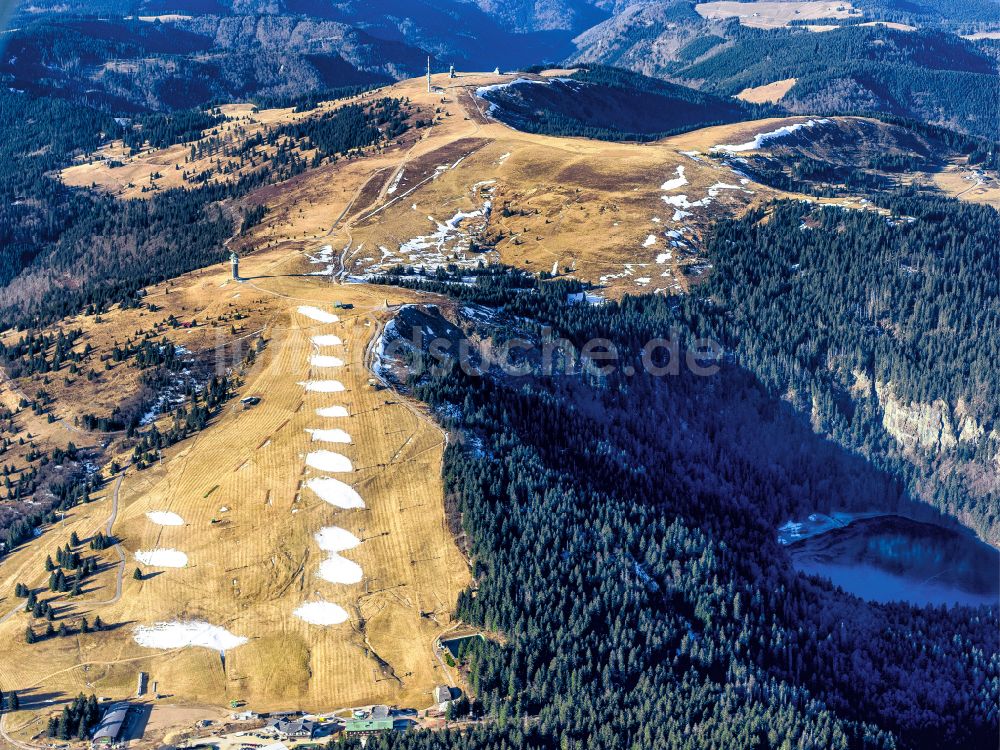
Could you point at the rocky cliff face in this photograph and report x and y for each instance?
(946, 442)
(934, 427)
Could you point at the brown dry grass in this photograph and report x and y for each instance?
(958, 180)
(249, 572)
(151, 170)
(768, 93)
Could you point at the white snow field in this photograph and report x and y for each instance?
(330, 436)
(165, 518)
(321, 613)
(323, 386)
(170, 635)
(329, 461)
(762, 138)
(323, 360)
(335, 492)
(162, 558)
(337, 569)
(333, 411)
(327, 339)
(316, 314)
(335, 539)
(679, 182)
(395, 182)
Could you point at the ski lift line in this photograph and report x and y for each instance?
(419, 185)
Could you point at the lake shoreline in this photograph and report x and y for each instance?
(889, 557)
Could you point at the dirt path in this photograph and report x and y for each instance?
(108, 531)
(119, 576)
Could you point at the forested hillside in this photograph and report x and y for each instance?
(129, 66)
(622, 533)
(70, 248)
(129, 58)
(951, 14)
(611, 104)
(857, 316)
(621, 526)
(38, 134)
(927, 76)
(221, 51)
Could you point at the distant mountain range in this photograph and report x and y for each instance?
(170, 54)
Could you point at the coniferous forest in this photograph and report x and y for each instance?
(49, 232)
(623, 538)
(622, 527)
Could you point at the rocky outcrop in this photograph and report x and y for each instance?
(933, 427)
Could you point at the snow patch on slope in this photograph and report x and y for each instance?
(171, 635)
(162, 558)
(335, 492)
(762, 138)
(321, 613)
(316, 314)
(165, 518)
(329, 461)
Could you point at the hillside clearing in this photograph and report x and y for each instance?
(769, 93)
(256, 571)
(771, 14)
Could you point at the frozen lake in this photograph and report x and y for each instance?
(892, 558)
